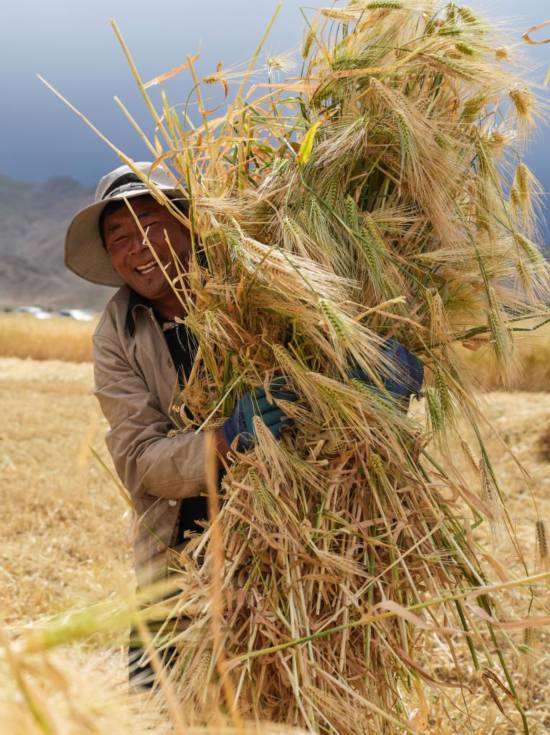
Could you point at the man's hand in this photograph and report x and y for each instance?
(408, 378)
(255, 403)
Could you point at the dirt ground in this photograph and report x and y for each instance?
(65, 526)
(63, 521)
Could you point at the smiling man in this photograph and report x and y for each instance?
(142, 356)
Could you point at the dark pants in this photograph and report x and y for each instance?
(141, 675)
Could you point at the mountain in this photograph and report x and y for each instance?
(33, 220)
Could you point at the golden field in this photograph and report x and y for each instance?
(65, 533)
(58, 338)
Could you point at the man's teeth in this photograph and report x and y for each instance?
(150, 266)
(147, 268)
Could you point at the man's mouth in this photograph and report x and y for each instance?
(149, 267)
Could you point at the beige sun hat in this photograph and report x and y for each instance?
(85, 253)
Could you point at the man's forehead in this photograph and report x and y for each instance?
(141, 207)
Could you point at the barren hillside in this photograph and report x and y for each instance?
(33, 219)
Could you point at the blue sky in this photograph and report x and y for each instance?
(73, 46)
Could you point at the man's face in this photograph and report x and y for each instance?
(130, 255)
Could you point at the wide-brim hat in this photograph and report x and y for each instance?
(85, 253)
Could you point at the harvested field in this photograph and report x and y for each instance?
(531, 371)
(65, 530)
(521, 421)
(63, 520)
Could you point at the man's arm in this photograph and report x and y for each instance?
(145, 458)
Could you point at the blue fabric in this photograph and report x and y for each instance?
(255, 403)
(409, 374)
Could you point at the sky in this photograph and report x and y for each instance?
(73, 46)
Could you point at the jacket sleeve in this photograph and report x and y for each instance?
(145, 458)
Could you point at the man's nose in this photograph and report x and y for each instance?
(138, 241)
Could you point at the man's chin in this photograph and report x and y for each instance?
(151, 289)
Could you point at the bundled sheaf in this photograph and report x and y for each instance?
(379, 193)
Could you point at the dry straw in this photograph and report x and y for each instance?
(377, 194)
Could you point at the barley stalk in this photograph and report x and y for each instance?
(392, 222)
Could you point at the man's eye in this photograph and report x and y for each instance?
(113, 244)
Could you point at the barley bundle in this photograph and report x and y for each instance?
(380, 193)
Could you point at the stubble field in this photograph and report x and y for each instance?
(65, 531)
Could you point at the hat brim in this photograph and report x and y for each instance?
(85, 254)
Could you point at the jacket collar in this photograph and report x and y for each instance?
(134, 300)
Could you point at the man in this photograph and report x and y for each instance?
(141, 355)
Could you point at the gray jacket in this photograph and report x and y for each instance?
(136, 383)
